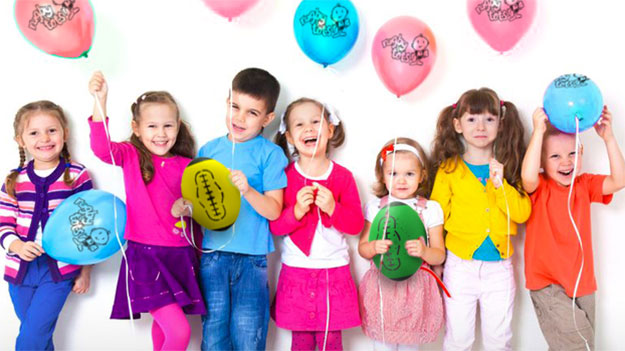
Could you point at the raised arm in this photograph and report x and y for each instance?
(531, 161)
(616, 180)
(99, 88)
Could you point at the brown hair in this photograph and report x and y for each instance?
(259, 84)
(337, 138)
(21, 118)
(509, 146)
(185, 144)
(425, 187)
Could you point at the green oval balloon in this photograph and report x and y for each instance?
(404, 224)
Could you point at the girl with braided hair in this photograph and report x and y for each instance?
(38, 284)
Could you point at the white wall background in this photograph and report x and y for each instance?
(183, 47)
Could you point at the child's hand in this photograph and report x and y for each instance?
(604, 126)
(98, 86)
(415, 248)
(83, 281)
(179, 208)
(240, 181)
(539, 118)
(381, 246)
(27, 251)
(324, 199)
(305, 198)
(496, 172)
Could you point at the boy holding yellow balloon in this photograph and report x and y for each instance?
(233, 269)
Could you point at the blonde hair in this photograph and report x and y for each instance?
(21, 118)
(425, 187)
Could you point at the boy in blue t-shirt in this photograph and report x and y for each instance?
(234, 277)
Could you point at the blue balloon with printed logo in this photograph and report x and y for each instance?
(572, 96)
(81, 230)
(326, 30)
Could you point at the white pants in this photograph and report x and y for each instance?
(380, 346)
(472, 281)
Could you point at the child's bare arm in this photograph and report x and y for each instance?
(367, 249)
(616, 180)
(531, 161)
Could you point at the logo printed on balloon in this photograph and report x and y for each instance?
(571, 81)
(319, 22)
(81, 219)
(98, 237)
(497, 12)
(207, 187)
(391, 261)
(50, 19)
(399, 45)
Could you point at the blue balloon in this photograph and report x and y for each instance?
(573, 96)
(326, 30)
(81, 230)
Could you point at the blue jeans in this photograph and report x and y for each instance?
(236, 294)
(38, 302)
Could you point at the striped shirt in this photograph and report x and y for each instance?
(36, 198)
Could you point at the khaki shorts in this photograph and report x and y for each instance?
(555, 316)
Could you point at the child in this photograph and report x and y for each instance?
(321, 205)
(161, 264)
(482, 201)
(552, 249)
(38, 284)
(412, 308)
(234, 274)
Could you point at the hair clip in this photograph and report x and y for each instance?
(453, 107)
(143, 97)
(68, 165)
(501, 103)
(18, 169)
(389, 149)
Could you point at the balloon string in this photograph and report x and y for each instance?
(119, 242)
(386, 219)
(579, 238)
(192, 240)
(438, 280)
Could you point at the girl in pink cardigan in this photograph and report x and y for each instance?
(316, 296)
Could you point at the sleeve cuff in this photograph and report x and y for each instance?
(7, 241)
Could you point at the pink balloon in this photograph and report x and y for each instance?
(404, 51)
(230, 8)
(59, 27)
(501, 23)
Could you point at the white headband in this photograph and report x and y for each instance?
(400, 147)
(331, 117)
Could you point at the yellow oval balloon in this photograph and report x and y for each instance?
(216, 201)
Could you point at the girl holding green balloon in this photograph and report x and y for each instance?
(407, 310)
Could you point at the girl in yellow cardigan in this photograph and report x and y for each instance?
(478, 150)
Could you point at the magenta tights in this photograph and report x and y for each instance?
(170, 329)
(305, 340)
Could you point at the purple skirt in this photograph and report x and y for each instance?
(158, 276)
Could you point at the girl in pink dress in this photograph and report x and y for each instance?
(316, 296)
(411, 311)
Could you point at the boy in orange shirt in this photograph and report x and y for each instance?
(553, 255)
